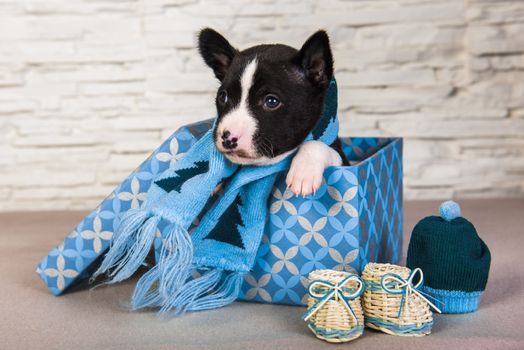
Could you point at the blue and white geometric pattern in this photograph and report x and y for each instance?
(355, 217)
(74, 258)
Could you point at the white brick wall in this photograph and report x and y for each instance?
(89, 88)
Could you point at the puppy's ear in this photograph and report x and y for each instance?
(316, 60)
(216, 51)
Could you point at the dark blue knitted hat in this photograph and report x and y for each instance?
(455, 260)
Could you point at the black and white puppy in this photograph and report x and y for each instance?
(270, 99)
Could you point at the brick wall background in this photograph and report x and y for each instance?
(89, 88)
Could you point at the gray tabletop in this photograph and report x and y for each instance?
(31, 318)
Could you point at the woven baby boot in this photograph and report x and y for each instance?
(334, 308)
(392, 301)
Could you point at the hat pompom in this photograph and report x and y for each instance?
(449, 210)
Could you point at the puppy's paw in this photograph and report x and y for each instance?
(305, 174)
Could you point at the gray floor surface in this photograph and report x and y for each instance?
(31, 318)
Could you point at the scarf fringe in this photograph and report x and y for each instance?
(145, 294)
(172, 270)
(130, 246)
(224, 295)
(175, 260)
(213, 289)
(179, 291)
(182, 299)
(170, 286)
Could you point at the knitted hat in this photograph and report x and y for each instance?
(455, 260)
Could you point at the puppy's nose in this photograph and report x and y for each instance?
(228, 141)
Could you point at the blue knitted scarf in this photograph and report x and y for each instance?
(223, 246)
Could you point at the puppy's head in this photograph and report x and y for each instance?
(271, 96)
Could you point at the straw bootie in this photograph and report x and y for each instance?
(392, 301)
(334, 308)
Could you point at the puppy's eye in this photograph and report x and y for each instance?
(222, 97)
(271, 102)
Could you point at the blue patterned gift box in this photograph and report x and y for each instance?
(355, 217)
